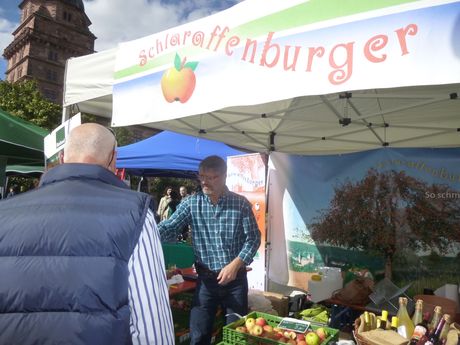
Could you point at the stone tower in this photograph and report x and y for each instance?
(50, 32)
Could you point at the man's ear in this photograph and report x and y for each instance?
(113, 163)
(61, 157)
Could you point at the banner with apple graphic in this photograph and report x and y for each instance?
(253, 54)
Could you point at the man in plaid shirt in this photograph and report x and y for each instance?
(225, 239)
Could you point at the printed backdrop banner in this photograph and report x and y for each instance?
(246, 176)
(350, 210)
(286, 48)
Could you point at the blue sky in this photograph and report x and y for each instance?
(116, 21)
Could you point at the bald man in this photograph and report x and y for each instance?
(80, 256)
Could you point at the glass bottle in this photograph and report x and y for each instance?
(418, 313)
(437, 315)
(420, 335)
(406, 326)
(435, 336)
(394, 323)
(446, 327)
(367, 321)
(384, 319)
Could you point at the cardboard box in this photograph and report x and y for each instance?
(280, 303)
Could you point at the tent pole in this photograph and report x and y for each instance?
(3, 162)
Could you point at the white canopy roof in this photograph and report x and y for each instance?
(399, 68)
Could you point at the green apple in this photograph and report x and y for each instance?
(250, 322)
(290, 334)
(312, 338)
(256, 330)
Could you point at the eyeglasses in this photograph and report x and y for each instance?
(203, 178)
(114, 145)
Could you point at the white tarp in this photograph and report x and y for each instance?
(304, 77)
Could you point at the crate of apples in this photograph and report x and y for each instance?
(260, 327)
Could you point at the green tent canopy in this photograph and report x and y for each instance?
(25, 170)
(21, 142)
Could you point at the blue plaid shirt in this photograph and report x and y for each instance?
(220, 232)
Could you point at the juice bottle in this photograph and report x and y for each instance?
(418, 313)
(445, 330)
(421, 332)
(406, 326)
(437, 315)
(384, 319)
(394, 323)
(435, 337)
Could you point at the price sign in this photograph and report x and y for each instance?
(298, 326)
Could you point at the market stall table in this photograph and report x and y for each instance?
(188, 285)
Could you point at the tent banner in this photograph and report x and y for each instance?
(246, 176)
(377, 211)
(55, 141)
(262, 51)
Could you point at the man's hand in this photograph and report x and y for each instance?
(229, 272)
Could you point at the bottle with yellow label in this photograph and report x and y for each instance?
(394, 323)
(384, 319)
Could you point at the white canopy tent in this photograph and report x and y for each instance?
(366, 76)
(296, 76)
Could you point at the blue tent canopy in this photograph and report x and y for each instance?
(170, 154)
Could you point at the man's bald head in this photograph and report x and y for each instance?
(91, 143)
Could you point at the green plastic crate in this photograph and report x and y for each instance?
(178, 254)
(232, 337)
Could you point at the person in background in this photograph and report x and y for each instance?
(225, 240)
(172, 204)
(183, 193)
(185, 233)
(162, 211)
(81, 256)
(11, 192)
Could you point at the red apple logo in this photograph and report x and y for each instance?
(178, 82)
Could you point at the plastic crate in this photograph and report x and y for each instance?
(232, 337)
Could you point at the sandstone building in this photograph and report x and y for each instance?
(50, 32)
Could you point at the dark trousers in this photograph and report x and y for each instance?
(233, 298)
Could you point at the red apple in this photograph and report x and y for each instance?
(302, 342)
(300, 337)
(178, 82)
(241, 329)
(278, 335)
(312, 338)
(322, 333)
(268, 329)
(261, 321)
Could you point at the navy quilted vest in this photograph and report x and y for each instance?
(64, 250)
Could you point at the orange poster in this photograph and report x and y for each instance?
(246, 176)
